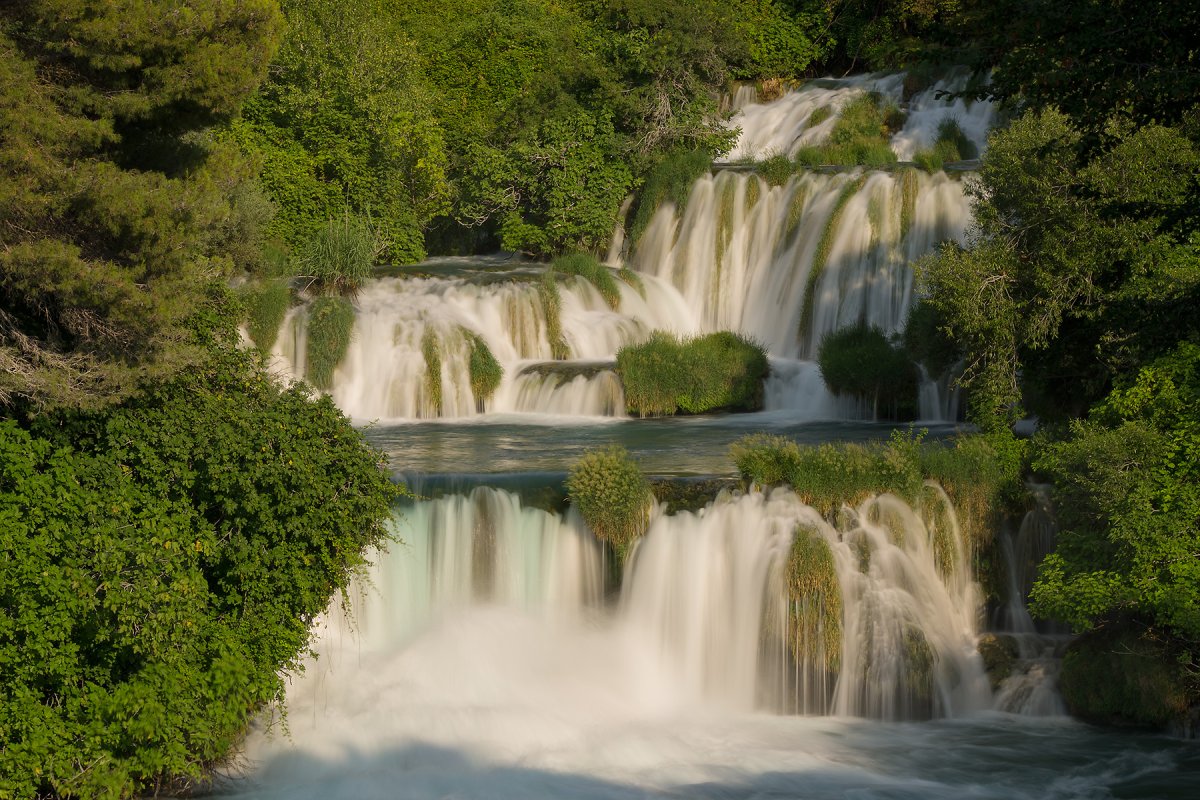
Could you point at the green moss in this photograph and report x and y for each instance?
(330, 325)
(999, 654)
(776, 170)
(689, 494)
(590, 269)
(632, 279)
(860, 136)
(951, 145)
(613, 497)
(908, 184)
(551, 302)
(824, 248)
(431, 349)
(485, 371)
(266, 306)
(670, 180)
(796, 211)
(819, 115)
(814, 602)
(720, 371)
(753, 192)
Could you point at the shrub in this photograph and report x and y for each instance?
(339, 256)
(485, 370)
(720, 371)
(330, 325)
(860, 361)
(670, 180)
(164, 562)
(266, 307)
(590, 269)
(612, 495)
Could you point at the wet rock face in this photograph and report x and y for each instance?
(999, 653)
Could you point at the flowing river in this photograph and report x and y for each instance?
(497, 652)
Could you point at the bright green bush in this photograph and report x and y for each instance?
(485, 370)
(861, 362)
(612, 495)
(266, 306)
(330, 326)
(339, 256)
(590, 269)
(164, 562)
(720, 371)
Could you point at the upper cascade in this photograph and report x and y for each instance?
(808, 114)
(785, 262)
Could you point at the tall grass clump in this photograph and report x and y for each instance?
(860, 136)
(266, 306)
(612, 495)
(330, 325)
(814, 602)
(776, 169)
(824, 249)
(339, 256)
(590, 269)
(861, 362)
(670, 180)
(951, 145)
(551, 300)
(718, 372)
(431, 349)
(484, 369)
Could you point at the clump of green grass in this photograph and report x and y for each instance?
(861, 362)
(339, 256)
(551, 301)
(819, 115)
(665, 376)
(590, 269)
(824, 248)
(814, 602)
(431, 349)
(330, 325)
(266, 306)
(859, 137)
(613, 497)
(670, 180)
(776, 169)
(632, 279)
(951, 145)
(485, 371)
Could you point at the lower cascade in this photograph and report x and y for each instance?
(728, 606)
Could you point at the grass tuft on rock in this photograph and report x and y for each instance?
(339, 256)
(717, 372)
(485, 371)
(613, 497)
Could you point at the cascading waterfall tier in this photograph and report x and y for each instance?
(704, 600)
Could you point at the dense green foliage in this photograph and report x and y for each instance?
(164, 561)
(266, 306)
(861, 362)
(717, 372)
(330, 325)
(613, 497)
(669, 181)
(117, 209)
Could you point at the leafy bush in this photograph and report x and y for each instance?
(590, 269)
(926, 341)
(163, 564)
(861, 362)
(720, 371)
(670, 180)
(339, 256)
(266, 307)
(484, 369)
(330, 325)
(612, 495)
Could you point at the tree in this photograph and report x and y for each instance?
(116, 206)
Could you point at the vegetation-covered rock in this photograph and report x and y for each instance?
(330, 326)
(814, 602)
(717, 372)
(861, 362)
(613, 497)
